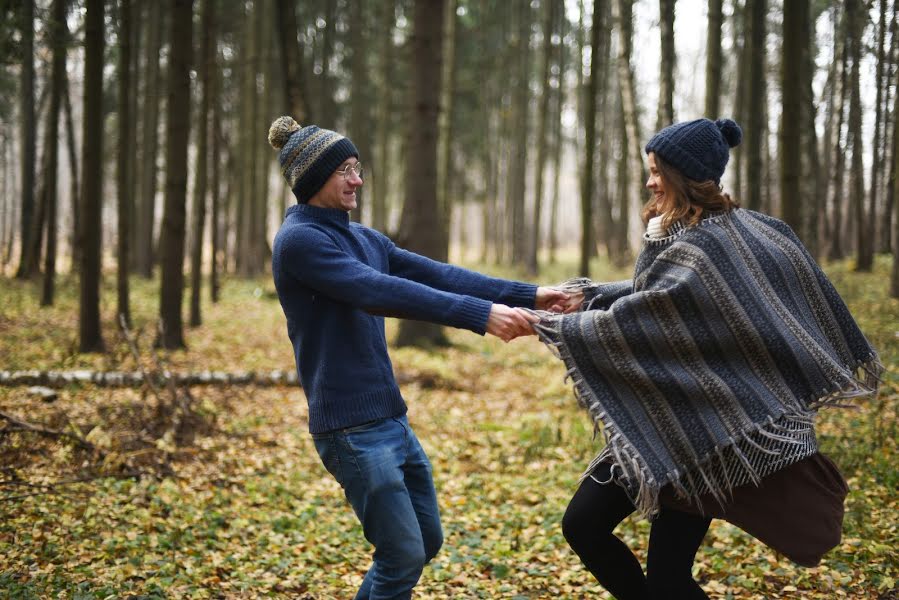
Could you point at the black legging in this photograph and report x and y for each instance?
(594, 512)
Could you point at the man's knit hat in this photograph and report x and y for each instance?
(308, 155)
(699, 149)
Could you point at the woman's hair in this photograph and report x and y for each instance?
(685, 198)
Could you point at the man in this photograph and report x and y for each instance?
(336, 280)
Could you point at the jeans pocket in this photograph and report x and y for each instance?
(326, 446)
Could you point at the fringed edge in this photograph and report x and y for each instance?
(853, 385)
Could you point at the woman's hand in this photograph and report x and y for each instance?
(552, 299)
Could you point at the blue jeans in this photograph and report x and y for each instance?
(386, 477)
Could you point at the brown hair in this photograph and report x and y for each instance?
(685, 198)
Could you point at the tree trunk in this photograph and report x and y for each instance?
(29, 131)
(206, 68)
(360, 100)
(291, 61)
(58, 38)
(144, 235)
(886, 229)
(835, 225)
(327, 113)
(90, 337)
(558, 143)
(518, 168)
(790, 123)
(587, 248)
(542, 141)
(856, 13)
(666, 64)
(713, 60)
(217, 141)
(811, 188)
(385, 105)
(755, 126)
(868, 233)
(445, 120)
(123, 168)
(421, 214)
(623, 15)
(894, 275)
(171, 334)
(74, 186)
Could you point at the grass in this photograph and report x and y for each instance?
(249, 512)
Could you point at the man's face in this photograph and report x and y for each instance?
(340, 189)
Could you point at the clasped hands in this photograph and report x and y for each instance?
(508, 323)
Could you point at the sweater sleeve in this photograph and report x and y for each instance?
(457, 280)
(316, 261)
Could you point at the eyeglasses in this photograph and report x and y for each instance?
(356, 168)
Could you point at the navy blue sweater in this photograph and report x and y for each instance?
(336, 281)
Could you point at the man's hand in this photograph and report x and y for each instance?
(554, 300)
(508, 323)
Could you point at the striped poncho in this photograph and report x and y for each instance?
(706, 370)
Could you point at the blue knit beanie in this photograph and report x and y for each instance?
(308, 155)
(699, 149)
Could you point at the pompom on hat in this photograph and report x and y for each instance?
(699, 149)
(308, 155)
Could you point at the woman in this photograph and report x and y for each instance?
(705, 373)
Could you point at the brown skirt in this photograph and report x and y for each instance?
(797, 511)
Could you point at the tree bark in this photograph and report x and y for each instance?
(206, 69)
(590, 141)
(517, 170)
(216, 260)
(421, 215)
(666, 64)
(835, 222)
(713, 60)
(123, 167)
(144, 253)
(90, 337)
(171, 334)
(790, 123)
(868, 233)
(360, 100)
(623, 15)
(291, 61)
(58, 38)
(445, 120)
(29, 132)
(811, 180)
(74, 185)
(542, 141)
(755, 126)
(894, 274)
(856, 13)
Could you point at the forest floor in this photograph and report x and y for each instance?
(235, 504)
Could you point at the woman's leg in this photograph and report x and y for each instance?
(673, 541)
(592, 515)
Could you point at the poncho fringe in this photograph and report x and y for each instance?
(775, 425)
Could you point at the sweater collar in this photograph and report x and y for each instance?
(317, 214)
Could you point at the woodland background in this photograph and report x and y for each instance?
(165, 453)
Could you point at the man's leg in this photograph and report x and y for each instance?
(420, 483)
(371, 460)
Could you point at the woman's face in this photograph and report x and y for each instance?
(655, 184)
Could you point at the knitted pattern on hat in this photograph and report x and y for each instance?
(699, 149)
(308, 155)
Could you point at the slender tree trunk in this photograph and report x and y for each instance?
(171, 334)
(421, 214)
(217, 142)
(623, 14)
(894, 275)
(518, 169)
(855, 13)
(542, 142)
(741, 41)
(558, 144)
(886, 230)
(29, 131)
(74, 185)
(90, 338)
(587, 179)
(868, 232)
(206, 69)
(790, 124)
(445, 120)
(812, 190)
(835, 227)
(262, 119)
(756, 95)
(378, 199)
(123, 168)
(666, 64)
(328, 111)
(360, 100)
(58, 37)
(144, 253)
(291, 61)
(713, 60)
